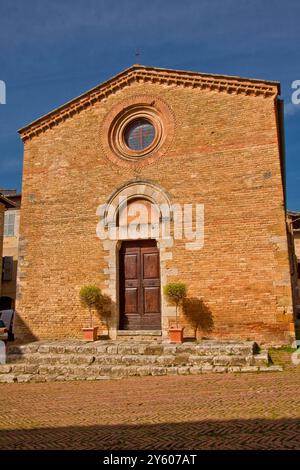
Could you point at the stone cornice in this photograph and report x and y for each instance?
(140, 73)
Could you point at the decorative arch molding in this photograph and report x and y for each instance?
(142, 189)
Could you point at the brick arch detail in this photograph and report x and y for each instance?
(135, 190)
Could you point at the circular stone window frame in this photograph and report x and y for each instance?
(127, 118)
(112, 133)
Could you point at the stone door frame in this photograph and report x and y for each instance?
(155, 194)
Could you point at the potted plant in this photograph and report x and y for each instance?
(90, 297)
(175, 293)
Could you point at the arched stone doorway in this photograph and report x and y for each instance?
(149, 194)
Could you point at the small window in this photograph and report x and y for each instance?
(9, 224)
(139, 134)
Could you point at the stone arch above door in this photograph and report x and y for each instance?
(144, 190)
(146, 211)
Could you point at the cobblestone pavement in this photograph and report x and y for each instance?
(210, 411)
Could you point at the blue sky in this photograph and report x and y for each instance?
(52, 51)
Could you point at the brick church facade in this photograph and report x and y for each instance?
(162, 137)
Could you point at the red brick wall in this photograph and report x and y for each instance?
(224, 154)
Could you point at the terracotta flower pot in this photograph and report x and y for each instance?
(176, 335)
(90, 334)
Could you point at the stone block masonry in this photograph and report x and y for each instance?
(75, 360)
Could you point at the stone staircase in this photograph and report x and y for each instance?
(76, 360)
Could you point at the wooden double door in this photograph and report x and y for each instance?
(139, 285)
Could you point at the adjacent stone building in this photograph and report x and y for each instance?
(5, 204)
(294, 226)
(158, 138)
(10, 249)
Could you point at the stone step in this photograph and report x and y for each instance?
(66, 373)
(140, 335)
(76, 360)
(181, 358)
(205, 348)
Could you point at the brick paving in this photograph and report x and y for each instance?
(210, 411)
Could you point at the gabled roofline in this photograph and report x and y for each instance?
(7, 202)
(225, 83)
(293, 214)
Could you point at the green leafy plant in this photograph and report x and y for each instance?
(90, 297)
(175, 293)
